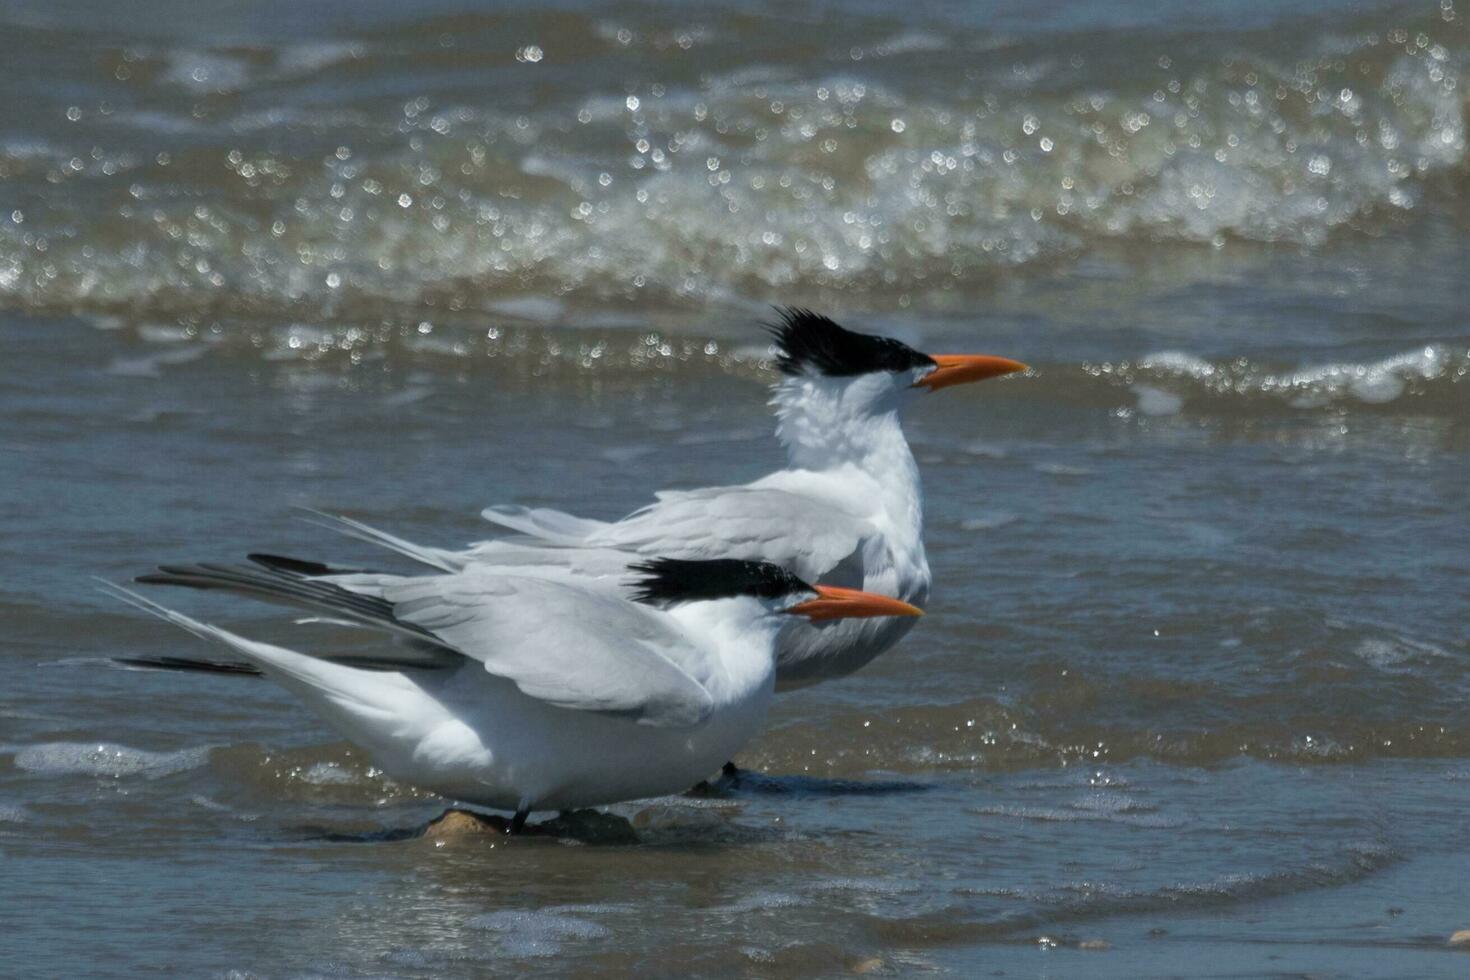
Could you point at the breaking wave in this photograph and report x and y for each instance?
(342, 179)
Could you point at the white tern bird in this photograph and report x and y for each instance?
(847, 509)
(524, 693)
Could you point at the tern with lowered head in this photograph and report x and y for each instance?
(524, 693)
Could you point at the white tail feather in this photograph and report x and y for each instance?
(445, 561)
(201, 630)
(362, 705)
(554, 526)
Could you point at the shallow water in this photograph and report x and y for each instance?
(1192, 686)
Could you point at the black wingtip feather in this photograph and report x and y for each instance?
(297, 566)
(298, 590)
(808, 342)
(184, 664)
(168, 575)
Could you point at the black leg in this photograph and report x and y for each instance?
(518, 821)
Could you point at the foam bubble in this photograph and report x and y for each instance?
(1156, 402)
(301, 59)
(205, 71)
(541, 309)
(1179, 363)
(1334, 384)
(979, 447)
(1062, 469)
(988, 521)
(1389, 652)
(525, 933)
(760, 901)
(327, 774)
(879, 886)
(1072, 814)
(152, 365)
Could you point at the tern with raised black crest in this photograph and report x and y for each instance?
(848, 508)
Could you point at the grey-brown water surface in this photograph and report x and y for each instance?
(1193, 684)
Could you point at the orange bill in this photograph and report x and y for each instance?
(835, 603)
(958, 369)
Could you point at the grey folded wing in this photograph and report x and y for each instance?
(805, 535)
(567, 645)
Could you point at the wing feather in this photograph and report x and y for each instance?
(806, 535)
(568, 645)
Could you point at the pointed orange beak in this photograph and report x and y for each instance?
(958, 369)
(834, 603)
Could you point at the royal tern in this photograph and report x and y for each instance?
(847, 509)
(526, 694)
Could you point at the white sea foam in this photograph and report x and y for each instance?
(979, 447)
(1180, 363)
(105, 759)
(1373, 383)
(164, 333)
(988, 521)
(1155, 401)
(327, 774)
(528, 933)
(1062, 469)
(760, 901)
(1049, 814)
(1335, 383)
(298, 59)
(622, 455)
(541, 309)
(152, 365)
(407, 396)
(881, 886)
(1395, 651)
(205, 71)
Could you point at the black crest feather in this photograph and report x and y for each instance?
(683, 580)
(808, 342)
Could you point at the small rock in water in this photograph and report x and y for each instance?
(463, 823)
(868, 965)
(1460, 937)
(590, 826)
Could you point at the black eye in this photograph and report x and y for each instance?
(809, 343)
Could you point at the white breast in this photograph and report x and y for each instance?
(494, 746)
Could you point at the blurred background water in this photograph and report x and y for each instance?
(1193, 688)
